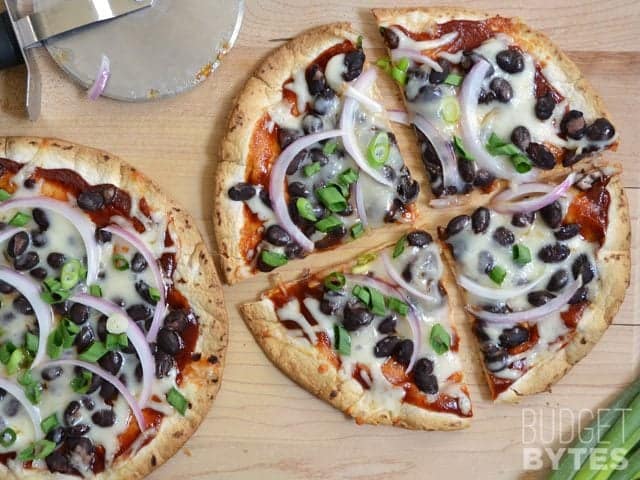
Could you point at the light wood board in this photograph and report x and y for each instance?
(262, 425)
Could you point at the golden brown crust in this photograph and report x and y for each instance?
(262, 90)
(195, 273)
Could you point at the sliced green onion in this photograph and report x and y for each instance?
(348, 177)
(460, 150)
(70, 274)
(120, 262)
(19, 220)
(453, 79)
(54, 344)
(6, 349)
(450, 109)
(154, 294)
(521, 163)
(177, 401)
(4, 195)
(365, 259)
(330, 147)
(54, 292)
(403, 64)
(335, 281)
(327, 224)
(8, 437)
(497, 274)
(439, 339)
(398, 75)
(95, 290)
(82, 382)
(116, 341)
(379, 149)
(31, 342)
(521, 254)
(498, 146)
(397, 306)
(342, 340)
(32, 388)
(362, 294)
(357, 230)
(359, 42)
(331, 198)
(16, 361)
(49, 423)
(305, 209)
(399, 247)
(311, 169)
(94, 353)
(377, 305)
(37, 451)
(384, 64)
(273, 259)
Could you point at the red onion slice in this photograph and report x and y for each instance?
(444, 150)
(470, 127)
(347, 119)
(356, 191)
(416, 56)
(95, 369)
(412, 317)
(495, 293)
(533, 204)
(140, 245)
(532, 315)
(133, 333)
(100, 83)
(399, 116)
(44, 315)
(365, 100)
(85, 227)
(34, 414)
(445, 39)
(401, 282)
(277, 181)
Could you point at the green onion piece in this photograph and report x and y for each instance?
(82, 382)
(497, 274)
(26, 378)
(362, 294)
(365, 259)
(6, 349)
(331, 198)
(453, 79)
(49, 423)
(31, 342)
(348, 177)
(460, 150)
(397, 306)
(177, 401)
(403, 64)
(342, 340)
(379, 149)
(94, 353)
(359, 42)
(305, 209)
(330, 147)
(335, 281)
(32, 388)
(327, 224)
(377, 305)
(54, 291)
(521, 163)
(273, 259)
(95, 290)
(384, 64)
(120, 262)
(450, 109)
(4, 195)
(521, 254)
(54, 344)
(498, 146)
(19, 220)
(116, 341)
(311, 169)
(154, 294)
(398, 75)
(8, 437)
(37, 451)
(400, 246)
(357, 230)
(439, 339)
(16, 361)
(70, 274)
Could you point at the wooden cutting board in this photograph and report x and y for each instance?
(262, 425)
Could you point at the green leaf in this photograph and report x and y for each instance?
(379, 149)
(453, 79)
(460, 150)
(331, 198)
(440, 339)
(19, 220)
(342, 340)
(311, 169)
(305, 209)
(497, 274)
(120, 263)
(177, 401)
(335, 281)
(94, 353)
(398, 306)
(357, 230)
(330, 147)
(400, 246)
(328, 223)
(273, 259)
(521, 254)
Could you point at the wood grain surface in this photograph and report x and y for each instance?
(264, 426)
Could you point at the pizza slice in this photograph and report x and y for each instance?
(544, 269)
(490, 100)
(309, 160)
(374, 338)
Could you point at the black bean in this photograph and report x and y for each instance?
(104, 418)
(11, 407)
(170, 341)
(138, 263)
(395, 211)
(41, 219)
(298, 189)
(51, 373)
(91, 200)
(419, 238)
(96, 381)
(558, 281)
(287, 136)
(480, 220)
(241, 191)
(539, 297)
(57, 435)
(554, 253)
(85, 338)
(580, 296)
(423, 376)
(582, 267)
(439, 77)
(164, 364)
(552, 214)
(600, 130)
(386, 346)
(521, 137)
(502, 89)
(39, 239)
(312, 123)
(176, 320)
(545, 106)
(102, 236)
(356, 316)
(325, 101)
(293, 250)
(29, 183)
(333, 237)
(318, 156)
(22, 305)
(479, 331)
(315, 79)
(475, 57)
(427, 93)
(496, 360)
(27, 261)
(18, 244)
(486, 262)
(510, 60)
(88, 403)
(39, 273)
(567, 231)
(407, 272)
(111, 362)
(522, 219)
(81, 450)
(388, 325)
(276, 235)
(264, 197)
(58, 462)
(486, 96)
(79, 313)
(354, 61)
(390, 38)
(408, 189)
(483, 178)
(143, 290)
(72, 414)
(108, 392)
(467, 170)
(514, 336)
(403, 352)
(504, 236)
(457, 224)
(573, 124)
(6, 288)
(541, 156)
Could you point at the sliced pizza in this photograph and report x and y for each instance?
(544, 269)
(309, 160)
(113, 330)
(490, 99)
(374, 338)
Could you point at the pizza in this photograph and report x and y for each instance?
(490, 99)
(112, 327)
(374, 337)
(309, 161)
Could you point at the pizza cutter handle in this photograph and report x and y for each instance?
(10, 53)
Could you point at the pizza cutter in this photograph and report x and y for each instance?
(155, 48)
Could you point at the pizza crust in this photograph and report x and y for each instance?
(262, 90)
(198, 281)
